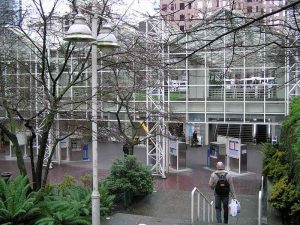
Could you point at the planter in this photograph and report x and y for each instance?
(123, 200)
(139, 196)
(5, 175)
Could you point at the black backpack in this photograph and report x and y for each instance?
(222, 186)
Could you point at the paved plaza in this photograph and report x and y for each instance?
(170, 203)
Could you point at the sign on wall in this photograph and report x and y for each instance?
(233, 147)
(63, 143)
(173, 147)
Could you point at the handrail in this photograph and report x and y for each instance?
(260, 199)
(205, 204)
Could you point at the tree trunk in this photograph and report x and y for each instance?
(19, 155)
(42, 151)
(33, 136)
(13, 138)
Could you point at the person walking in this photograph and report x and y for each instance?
(221, 182)
(194, 139)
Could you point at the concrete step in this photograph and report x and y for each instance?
(130, 219)
(176, 205)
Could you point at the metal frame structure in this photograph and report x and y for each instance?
(156, 140)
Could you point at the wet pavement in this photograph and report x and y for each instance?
(170, 203)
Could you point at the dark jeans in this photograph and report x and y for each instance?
(218, 206)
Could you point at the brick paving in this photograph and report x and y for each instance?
(171, 198)
(197, 175)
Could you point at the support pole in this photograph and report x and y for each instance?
(95, 194)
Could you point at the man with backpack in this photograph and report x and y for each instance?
(221, 182)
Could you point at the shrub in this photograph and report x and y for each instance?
(17, 204)
(281, 165)
(106, 200)
(87, 180)
(128, 175)
(285, 198)
(67, 182)
(269, 150)
(275, 165)
(70, 205)
(283, 194)
(75, 198)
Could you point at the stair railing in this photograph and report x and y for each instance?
(202, 203)
(260, 201)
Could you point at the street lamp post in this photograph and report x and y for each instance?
(80, 32)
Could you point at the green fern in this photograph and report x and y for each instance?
(16, 205)
(63, 218)
(66, 206)
(106, 200)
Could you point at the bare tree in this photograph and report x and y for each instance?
(45, 70)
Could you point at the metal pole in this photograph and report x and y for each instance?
(95, 194)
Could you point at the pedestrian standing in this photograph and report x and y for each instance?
(221, 182)
(194, 138)
(126, 148)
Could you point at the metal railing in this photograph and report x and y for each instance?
(254, 93)
(202, 204)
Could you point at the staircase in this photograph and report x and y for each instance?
(202, 209)
(222, 129)
(234, 130)
(246, 134)
(243, 131)
(129, 219)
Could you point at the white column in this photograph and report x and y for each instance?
(206, 141)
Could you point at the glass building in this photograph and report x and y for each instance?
(227, 76)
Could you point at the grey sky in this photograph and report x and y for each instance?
(131, 7)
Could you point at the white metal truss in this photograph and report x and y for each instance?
(156, 136)
(295, 83)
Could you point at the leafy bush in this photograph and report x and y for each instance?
(285, 198)
(275, 163)
(65, 203)
(73, 198)
(70, 205)
(290, 140)
(67, 182)
(128, 175)
(283, 194)
(17, 204)
(281, 165)
(268, 150)
(106, 200)
(87, 180)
